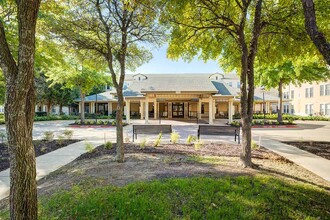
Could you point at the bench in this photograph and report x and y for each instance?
(219, 130)
(151, 129)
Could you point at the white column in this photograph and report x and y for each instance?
(146, 116)
(169, 110)
(91, 107)
(185, 110)
(199, 109)
(214, 109)
(109, 108)
(230, 111)
(142, 109)
(210, 110)
(155, 109)
(128, 111)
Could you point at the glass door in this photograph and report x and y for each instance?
(178, 110)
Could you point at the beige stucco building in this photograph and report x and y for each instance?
(178, 96)
(308, 99)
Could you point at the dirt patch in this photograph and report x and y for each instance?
(180, 160)
(321, 149)
(41, 147)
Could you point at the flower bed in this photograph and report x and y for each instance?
(94, 123)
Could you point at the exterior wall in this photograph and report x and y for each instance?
(298, 99)
(2, 109)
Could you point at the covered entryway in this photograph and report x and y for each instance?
(178, 110)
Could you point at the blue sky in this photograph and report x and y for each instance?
(160, 64)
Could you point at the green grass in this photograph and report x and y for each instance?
(242, 197)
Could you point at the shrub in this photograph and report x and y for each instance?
(113, 123)
(175, 137)
(143, 143)
(48, 135)
(198, 144)
(158, 140)
(68, 134)
(99, 122)
(191, 139)
(60, 139)
(43, 149)
(108, 145)
(89, 147)
(254, 145)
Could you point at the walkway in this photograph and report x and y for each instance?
(49, 162)
(316, 164)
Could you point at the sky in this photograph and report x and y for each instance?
(160, 64)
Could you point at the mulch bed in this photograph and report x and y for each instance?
(185, 149)
(41, 147)
(321, 149)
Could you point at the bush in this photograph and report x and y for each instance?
(48, 135)
(158, 140)
(191, 139)
(198, 144)
(60, 139)
(89, 147)
(68, 133)
(108, 145)
(143, 143)
(175, 137)
(2, 136)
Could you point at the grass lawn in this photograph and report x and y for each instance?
(242, 197)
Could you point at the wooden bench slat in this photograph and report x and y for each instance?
(219, 130)
(151, 129)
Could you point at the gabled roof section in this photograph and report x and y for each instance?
(139, 77)
(216, 76)
(224, 89)
(104, 96)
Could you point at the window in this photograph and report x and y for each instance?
(230, 84)
(286, 95)
(327, 109)
(322, 109)
(309, 109)
(292, 94)
(202, 109)
(327, 89)
(216, 78)
(286, 108)
(309, 92)
(238, 84)
(322, 92)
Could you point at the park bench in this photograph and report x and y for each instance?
(219, 130)
(151, 129)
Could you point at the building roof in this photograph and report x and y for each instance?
(174, 83)
(224, 89)
(104, 96)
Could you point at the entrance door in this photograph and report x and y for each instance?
(178, 110)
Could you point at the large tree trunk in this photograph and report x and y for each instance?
(19, 112)
(247, 84)
(49, 106)
(280, 93)
(119, 128)
(61, 109)
(317, 37)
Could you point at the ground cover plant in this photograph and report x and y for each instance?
(321, 148)
(96, 123)
(243, 197)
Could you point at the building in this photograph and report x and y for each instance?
(178, 96)
(308, 99)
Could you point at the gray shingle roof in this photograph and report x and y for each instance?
(104, 96)
(174, 83)
(223, 88)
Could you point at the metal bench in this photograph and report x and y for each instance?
(151, 129)
(219, 130)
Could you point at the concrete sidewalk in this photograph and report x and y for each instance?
(50, 162)
(316, 164)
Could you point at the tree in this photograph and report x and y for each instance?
(213, 29)
(116, 31)
(18, 70)
(317, 36)
(83, 75)
(50, 93)
(291, 73)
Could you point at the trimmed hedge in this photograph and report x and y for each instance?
(291, 117)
